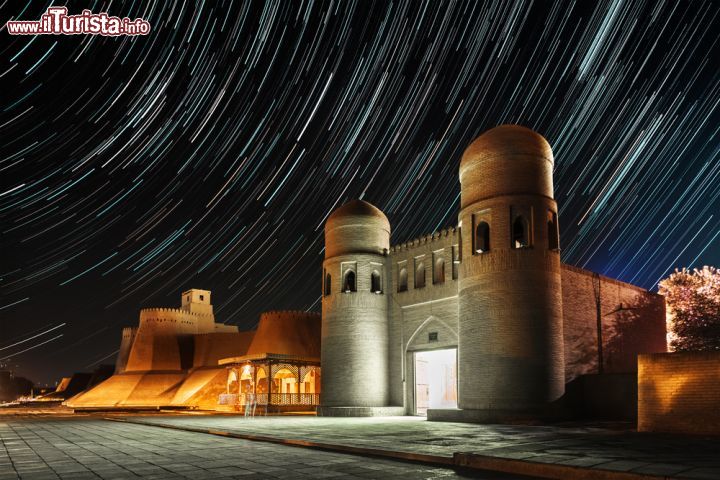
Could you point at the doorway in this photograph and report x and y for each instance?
(435, 380)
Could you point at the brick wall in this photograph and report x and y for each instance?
(633, 322)
(679, 393)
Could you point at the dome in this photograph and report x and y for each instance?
(506, 160)
(357, 208)
(356, 227)
(507, 142)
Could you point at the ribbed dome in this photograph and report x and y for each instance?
(506, 141)
(357, 208)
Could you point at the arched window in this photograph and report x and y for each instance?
(375, 282)
(285, 381)
(439, 269)
(482, 237)
(402, 280)
(419, 274)
(311, 382)
(553, 233)
(246, 380)
(520, 232)
(349, 282)
(261, 381)
(328, 283)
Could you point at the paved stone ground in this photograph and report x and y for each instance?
(78, 448)
(597, 448)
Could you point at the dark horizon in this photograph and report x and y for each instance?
(208, 153)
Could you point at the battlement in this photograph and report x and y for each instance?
(287, 313)
(129, 332)
(424, 239)
(172, 311)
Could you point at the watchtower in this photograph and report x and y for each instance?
(355, 310)
(510, 352)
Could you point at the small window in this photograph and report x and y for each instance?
(433, 337)
(520, 232)
(349, 282)
(482, 237)
(460, 245)
(375, 282)
(402, 280)
(553, 233)
(202, 297)
(456, 262)
(419, 274)
(438, 268)
(328, 283)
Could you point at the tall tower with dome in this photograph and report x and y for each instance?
(510, 350)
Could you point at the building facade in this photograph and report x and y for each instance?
(477, 322)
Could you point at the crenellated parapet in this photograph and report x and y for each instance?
(129, 332)
(169, 311)
(174, 320)
(441, 238)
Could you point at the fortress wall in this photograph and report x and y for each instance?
(201, 388)
(211, 347)
(152, 351)
(633, 322)
(679, 393)
(173, 321)
(222, 328)
(128, 336)
(422, 248)
(158, 344)
(287, 332)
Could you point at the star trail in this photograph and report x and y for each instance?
(209, 153)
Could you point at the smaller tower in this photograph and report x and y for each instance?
(354, 347)
(197, 301)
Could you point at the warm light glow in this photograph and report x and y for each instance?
(435, 380)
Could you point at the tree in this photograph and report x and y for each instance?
(693, 300)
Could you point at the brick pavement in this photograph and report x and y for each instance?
(602, 450)
(83, 447)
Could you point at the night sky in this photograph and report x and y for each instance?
(209, 153)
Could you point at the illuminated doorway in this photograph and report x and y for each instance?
(435, 380)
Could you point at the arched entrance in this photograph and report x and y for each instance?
(435, 379)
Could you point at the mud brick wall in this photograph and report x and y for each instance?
(633, 322)
(679, 393)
